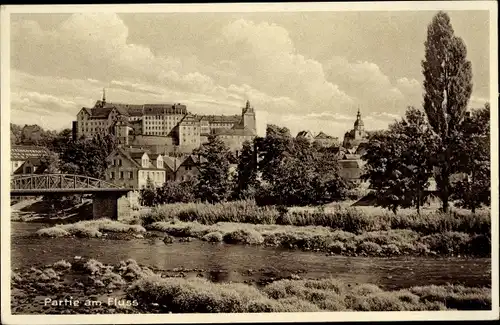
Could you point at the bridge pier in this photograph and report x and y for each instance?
(110, 206)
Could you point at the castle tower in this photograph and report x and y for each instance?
(248, 116)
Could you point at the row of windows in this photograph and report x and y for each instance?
(159, 117)
(152, 175)
(85, 130)
(121, 174)
(116, 162)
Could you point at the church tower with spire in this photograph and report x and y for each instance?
(357, 134)
(104, 97)
(359, 126)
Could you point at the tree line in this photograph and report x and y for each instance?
(443, 140)
(277, 169)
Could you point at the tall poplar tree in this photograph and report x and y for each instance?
(448, 87)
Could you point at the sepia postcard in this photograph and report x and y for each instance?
(258, 162)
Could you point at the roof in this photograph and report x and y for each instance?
(127, 155)
(193, 160)
(102, 111)
(323, 135)
(172, 162)
(189, 119)
(168, 108)
(25, 152)
(304, 134)
(137, 154)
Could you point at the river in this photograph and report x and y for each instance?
(225, 262)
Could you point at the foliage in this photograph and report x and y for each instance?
(31, 135)
(88, 156)
(247, 171)
(448, 87)
(213, 184)
(91, 228)
(197, 295)
(354, 220)
(176, 191)
(473, 190)
(60, 142)
(49, 163)
(295, 172)
(371, 241)
(148, 195)
(398, 162)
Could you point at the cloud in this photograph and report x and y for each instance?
(267, 58)
(56, 71)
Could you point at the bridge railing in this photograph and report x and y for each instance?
(58, 181)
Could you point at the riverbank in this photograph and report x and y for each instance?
(382, 243)
(340, 216)
(131, 288)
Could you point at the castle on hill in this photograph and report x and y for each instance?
(169, 126)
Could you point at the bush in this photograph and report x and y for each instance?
(52, 232)
(93, 266)
(337, 247)
(352, 220)
(447, 243)
(244, 236)
(214, 237)
(61, 265)
(369, 248)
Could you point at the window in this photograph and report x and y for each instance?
(112, 175)
(121, 175)
(131, 175)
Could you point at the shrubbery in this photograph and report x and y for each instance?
(352, 220)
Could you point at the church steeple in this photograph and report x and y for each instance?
(359, 125)
(103, 96)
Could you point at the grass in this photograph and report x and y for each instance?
(155, 293)
(314, 238)
(352, 219)
(90, 228)
(195, 295)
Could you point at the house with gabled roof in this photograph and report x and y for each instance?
(326, 140)
(20, 154)
(133, 169)
(306, 135)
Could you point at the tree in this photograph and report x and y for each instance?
(60, 142)
(148, 194)
(213, 184)
(247, 170)
(448, 87)
(50, 163)
(473, 190)
(399, 163)
(176, 191)
(271, 150)
(88, 156)
(296, 172)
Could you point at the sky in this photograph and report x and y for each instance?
(303, 70)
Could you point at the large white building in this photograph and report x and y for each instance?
(170, 124)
